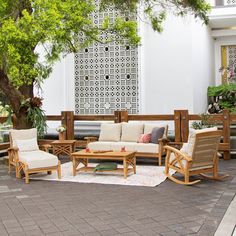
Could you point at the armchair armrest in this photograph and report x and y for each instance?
(163, 141)
(13, 154)
(45, 147)
(178, 152)
(90, 139)
(13, 149)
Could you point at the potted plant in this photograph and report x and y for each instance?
(61, 132)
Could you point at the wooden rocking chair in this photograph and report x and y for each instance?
(199, 159)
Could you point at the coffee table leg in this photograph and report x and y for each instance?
(74, 166)
(125, 168)
(134, 164)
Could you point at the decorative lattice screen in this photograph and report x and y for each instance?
(231, 55)
(230, 2)
(106, 76)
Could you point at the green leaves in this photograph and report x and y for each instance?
(225, 94)
(156, 10)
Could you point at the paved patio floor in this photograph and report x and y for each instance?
(62, 208)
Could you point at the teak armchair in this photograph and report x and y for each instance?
(198, 157)
(24, 154)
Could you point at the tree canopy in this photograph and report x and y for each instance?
(55, 25)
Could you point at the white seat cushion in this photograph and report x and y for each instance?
(130, 132)
(129, 146)
(38, 159)
(146, 147)
(100, 146)
(110, 132)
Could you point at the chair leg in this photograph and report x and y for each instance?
(9, 167)
(186, 177)
(59, 170)
(18, 175)
(26, 176)
(159, 159)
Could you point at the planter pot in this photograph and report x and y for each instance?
(62, 135)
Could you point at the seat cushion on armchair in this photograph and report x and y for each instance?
(38, 159)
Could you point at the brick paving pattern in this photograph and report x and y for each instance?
(62, 208)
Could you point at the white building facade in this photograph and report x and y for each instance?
(175, 67)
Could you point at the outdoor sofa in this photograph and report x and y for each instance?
(132, 137)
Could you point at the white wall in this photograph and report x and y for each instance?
(58, 89)
(203, 73)
(176, 66)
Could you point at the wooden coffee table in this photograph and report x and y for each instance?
(83, 157)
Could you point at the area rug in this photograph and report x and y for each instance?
(150, 176)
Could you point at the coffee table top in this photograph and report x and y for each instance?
(101, 153)
(66, 141)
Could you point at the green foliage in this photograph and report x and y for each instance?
(6, 111)
(27, 26)
(53, 25)
(156, 10)
(35, 114)
(205, 122)
(225, 94)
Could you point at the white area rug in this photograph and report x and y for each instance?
(145, 176)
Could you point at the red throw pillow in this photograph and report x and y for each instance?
(144, 138)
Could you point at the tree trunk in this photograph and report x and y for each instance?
(15, 97)
(21, 121)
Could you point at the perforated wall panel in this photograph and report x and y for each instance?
(106, 76)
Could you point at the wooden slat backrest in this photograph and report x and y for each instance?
(205, 148)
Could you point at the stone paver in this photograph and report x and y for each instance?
(62, 208)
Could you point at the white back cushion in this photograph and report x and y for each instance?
(188, 147)
(110, 132)
(26, 145)
(130, 132)
(21, 134)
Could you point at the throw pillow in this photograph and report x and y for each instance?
(131, 131)
(148, 127)
(110, 132)
(156, 134)
(144, 138)
(26, 145)
(105, 166)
